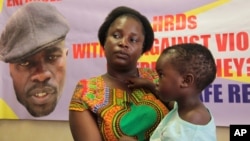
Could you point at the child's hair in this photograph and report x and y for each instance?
(195, 59)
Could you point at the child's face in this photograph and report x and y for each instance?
(169, 79)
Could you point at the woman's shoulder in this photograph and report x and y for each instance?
(91, 79)
(91, 82)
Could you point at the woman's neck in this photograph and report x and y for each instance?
(122, 75)
(118, 79)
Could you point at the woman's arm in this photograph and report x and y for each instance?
(83, 126)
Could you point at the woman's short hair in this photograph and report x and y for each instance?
(123, 10)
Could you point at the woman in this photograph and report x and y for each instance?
(110, 107)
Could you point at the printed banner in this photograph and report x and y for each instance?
(221, 25)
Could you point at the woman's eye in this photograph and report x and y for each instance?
(116, 35)
(133, 40)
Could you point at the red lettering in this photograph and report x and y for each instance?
(155, 48)
(169, 23)
(221, 40)
(11, 3)
(173, 41)
(242, 41)
(27, 1)
(14, 3)
(164, 43)
(151, 65)
(193, 39)
(181, 21)
(94, 49)
(157, 23)
(87, 50)
(227, 68)
(232, 41)
(174, 22)
(79, 51)
(219, 67)
(238, 65)
(205, 39)
(224, 67)
(144, 65)
(161, 43)
(192, 22)
(102, 54)
(248, 67)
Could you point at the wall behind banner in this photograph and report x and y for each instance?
(26, 130)
(209, 22)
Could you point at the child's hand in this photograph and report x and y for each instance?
(136, 82)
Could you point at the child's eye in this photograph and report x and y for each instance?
(160, 75)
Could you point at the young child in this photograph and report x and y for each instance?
(184, 71)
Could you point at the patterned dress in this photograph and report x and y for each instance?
(118, 113)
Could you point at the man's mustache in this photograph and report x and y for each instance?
(38, 88)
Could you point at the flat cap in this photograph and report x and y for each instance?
(30, 29)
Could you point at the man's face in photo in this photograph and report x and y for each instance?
(38, 80)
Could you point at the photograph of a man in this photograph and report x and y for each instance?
(33, 43)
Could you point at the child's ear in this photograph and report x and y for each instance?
(188, 80)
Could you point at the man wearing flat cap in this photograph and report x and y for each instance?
(33, 43)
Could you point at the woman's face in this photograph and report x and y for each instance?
(124, 42)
